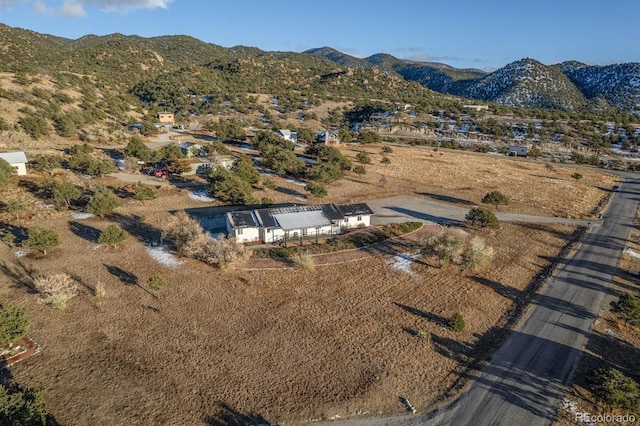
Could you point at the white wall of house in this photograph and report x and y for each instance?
(270, 235)
(21, 168)
(244, 235)
(355, 221)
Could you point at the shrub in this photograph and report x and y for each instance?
(447, 246)
(113, 235)
(577, 176)
(226, 186)
(270, 184)
(613, 388)
(56, 290)
(99, 293)
(144, 192)
(191, 241)
(479, 217)
(316, 189)
(14, 324)
(627, 308)
(477, 252)
(45, 162)
(9, 239)
(42, 239)
(386, 149)
(360, 170)
(266, 201)
(457, 323)
(363, 158)
(451, 246)
(15, 206)
(305, 261)
(22, 407)
(496, 197)
(183, 229)
(103, 202)
(6, 171)
(156, 283)
(385, 160)
(223, 252)
(66, 192)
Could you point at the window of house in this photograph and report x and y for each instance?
(359, 218)
(268, 230)
(238, 231)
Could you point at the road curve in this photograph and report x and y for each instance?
(526, 379)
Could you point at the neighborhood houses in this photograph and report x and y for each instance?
(271, 225)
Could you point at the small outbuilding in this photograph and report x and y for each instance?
(17, 160)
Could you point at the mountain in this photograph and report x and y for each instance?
(525, 83)
(618, 84)
(433, 75)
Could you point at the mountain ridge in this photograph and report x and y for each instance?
(576, 84)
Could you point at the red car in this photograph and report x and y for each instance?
(161, 173)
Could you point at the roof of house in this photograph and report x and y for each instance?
(15, 157)
(296, 217)
(187, 145)
(358, 209)
(299, 220)
(284, 132)
(242, 219)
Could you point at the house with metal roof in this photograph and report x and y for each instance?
(270, 225)
(288, 135)
(17, 160)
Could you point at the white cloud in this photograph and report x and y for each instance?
(10, 2)
(43, 9)
(124, 5)
(76, 8)
(72, 9)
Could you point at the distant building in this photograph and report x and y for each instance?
(191, 149)
(166, 117)
(477, 107)
(288, 135)
(204, 166)
(328, 137)
(17, 160)
(270, 225)
(519, 150)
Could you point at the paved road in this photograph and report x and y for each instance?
(412, 207)
(526, 379)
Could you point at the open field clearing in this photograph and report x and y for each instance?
(288, 345)
(285, 345)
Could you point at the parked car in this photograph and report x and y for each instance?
(161, 173)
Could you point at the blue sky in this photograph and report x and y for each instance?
(462, 33)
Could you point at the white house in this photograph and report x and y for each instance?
(519, 150)
(17, 159)
(270, 225)
(288, 135)
(327, 137)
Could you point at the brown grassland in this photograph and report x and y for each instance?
(287, 345)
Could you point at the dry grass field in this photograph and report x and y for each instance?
(288, 345)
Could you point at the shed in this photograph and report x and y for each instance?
(17, 160)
